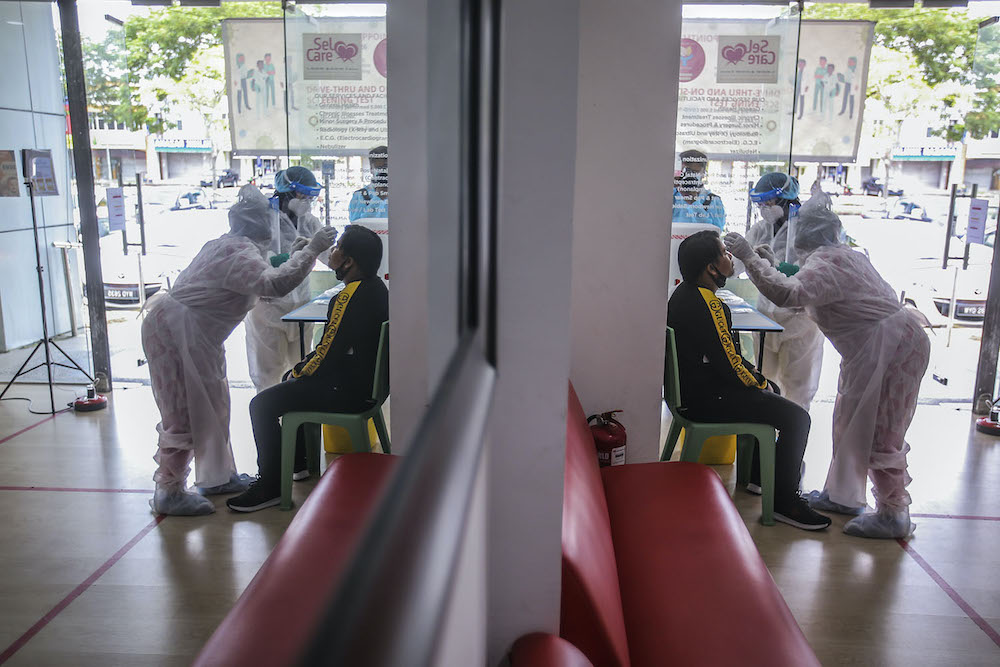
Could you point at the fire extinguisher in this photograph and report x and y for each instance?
(609, 438)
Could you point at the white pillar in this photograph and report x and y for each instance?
(623, 207)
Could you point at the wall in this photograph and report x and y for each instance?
(538, 140)
(621, 228)
(32, 116)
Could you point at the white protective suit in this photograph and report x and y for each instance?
(184, 332)
(273, 345)
(794, 357)
(884, 348)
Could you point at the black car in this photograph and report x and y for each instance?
(227, 177)
(872, 186)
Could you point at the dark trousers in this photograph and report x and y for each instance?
(294, 395)
(757, 406)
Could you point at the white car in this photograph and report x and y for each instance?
(930, 288)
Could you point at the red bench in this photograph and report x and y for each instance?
(273, 621)
(658, 568)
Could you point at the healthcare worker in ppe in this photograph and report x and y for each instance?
(794, 357)
(273, 345)
(183, 336)
(885, 353)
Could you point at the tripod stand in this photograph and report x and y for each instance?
(45, 342)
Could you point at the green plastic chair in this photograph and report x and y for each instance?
(356, 424)
(695, 434)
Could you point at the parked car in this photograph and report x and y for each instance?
(874, 186)
(225, 178)
(930, 289)
(198, 198)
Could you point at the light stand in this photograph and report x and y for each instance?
(45, 342)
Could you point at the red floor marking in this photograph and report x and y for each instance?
(952, 593)
(961, 517)
(77, 592)
(28, 428)
(72, 489)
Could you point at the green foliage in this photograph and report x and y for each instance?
(105, 74)
(163, 43)
(162, 47)
(939, 46)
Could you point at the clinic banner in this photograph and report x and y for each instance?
(335, 76)
(747, 86)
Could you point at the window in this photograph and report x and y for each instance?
(100, 123)
(180, 125)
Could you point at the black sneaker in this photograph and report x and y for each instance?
(259, 496)
(797, 512)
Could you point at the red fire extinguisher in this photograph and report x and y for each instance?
(609, 438)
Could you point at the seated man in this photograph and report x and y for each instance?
(336, 377)
(719, 385)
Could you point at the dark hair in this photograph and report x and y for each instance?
(364, 247)
(696, 252)
(687, 157)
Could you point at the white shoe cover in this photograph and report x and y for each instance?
(177, 502)
(237, 484)
(881, 525)
(820, 500)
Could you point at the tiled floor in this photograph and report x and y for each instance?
(934, 600)
(89, 577)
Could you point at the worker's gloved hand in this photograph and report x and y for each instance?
(764, 252)
(323, 239)
(278, 260)
(736, 244)
(788, 269)
(298, 244)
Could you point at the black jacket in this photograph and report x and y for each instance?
(709, 361)
(345, 356)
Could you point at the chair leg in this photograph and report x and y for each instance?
(672, 435)
(767, 456)
(383, 431)
(693, 442)
(358, 430)
(289, 432)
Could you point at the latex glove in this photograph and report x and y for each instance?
(764, 251)
(322, 239)
(736, 244)
(298, 244)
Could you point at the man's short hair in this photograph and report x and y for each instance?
(693, 157)
(696, 252)
(364, 247)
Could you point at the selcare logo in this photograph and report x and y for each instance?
(756, 52)
(324, 49)
(748, 59)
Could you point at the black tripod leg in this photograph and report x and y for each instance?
(71, 360)
(19, 370)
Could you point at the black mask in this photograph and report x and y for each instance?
(719, 279)
(339, 270)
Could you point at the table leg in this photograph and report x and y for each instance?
(760, 353)
(302, 339)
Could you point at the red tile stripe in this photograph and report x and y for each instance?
(69, 489)
(28, 428)
(952, 593)
(960, 517)
(77, 592)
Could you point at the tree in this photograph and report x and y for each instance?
(163, 45)
(941, 44)
(105, 74)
